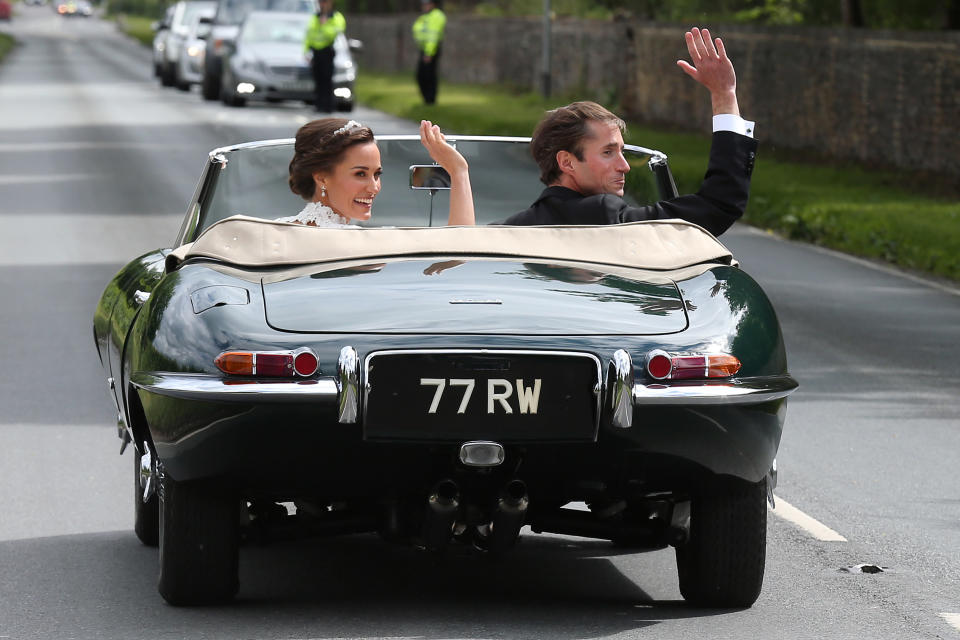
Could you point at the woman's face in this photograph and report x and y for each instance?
(353, 183)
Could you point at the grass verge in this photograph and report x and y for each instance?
(137, 27)
(863, 212)
(6, 44)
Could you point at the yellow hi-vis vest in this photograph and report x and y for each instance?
(321, 36)
(428, 30)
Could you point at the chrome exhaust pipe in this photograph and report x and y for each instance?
(508, 516)
(443, 504)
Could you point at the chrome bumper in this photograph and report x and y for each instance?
(726, 392)
(198, 386)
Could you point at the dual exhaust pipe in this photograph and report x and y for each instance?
(507, 518)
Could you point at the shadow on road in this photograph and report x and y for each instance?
(104, 585)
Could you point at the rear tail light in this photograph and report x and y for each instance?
(665, 366)
(268, 364)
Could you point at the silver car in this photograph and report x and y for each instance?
(161, 29)
(192, 52)
(268, 62)
(183, 14)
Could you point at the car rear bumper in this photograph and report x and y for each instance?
(272, 435)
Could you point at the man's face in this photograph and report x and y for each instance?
(603, 168)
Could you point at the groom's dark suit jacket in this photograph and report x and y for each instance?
(721, 199)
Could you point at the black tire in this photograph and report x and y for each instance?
(166, 75)
(146, 515)
(179, 82)
(722, 563)
(210, 87)
(199, 543)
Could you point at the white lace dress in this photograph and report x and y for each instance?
(319, 215)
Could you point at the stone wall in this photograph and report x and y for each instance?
(881, 97)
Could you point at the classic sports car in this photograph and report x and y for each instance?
(443, 384)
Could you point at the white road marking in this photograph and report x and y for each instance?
(47, 179)
(953, 619)
(812, 526)
(83, 145)
(45, 239)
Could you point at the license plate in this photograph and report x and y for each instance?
(296, 86)
(482, 395)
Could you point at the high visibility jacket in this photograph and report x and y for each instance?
(321, 35)
(428, 30)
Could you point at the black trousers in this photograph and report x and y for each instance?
(427, 77)
(322, 67)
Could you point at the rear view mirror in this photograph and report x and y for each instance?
(429, 176)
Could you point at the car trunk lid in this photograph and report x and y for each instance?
(475, 297)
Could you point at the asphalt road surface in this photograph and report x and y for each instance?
(97, 163)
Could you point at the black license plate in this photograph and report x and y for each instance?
(492, 395)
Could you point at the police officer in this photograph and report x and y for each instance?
(428, 34)
(322, 30)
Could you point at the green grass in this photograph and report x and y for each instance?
(864, 212)
(6, 44)
(137, 27)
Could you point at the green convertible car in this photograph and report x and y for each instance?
(443, 385)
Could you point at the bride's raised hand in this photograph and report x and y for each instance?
(440, 150)
(461, 194)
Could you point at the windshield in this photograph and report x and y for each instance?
(234, 11)
(264, 28)
(194, 9)
(504, 178)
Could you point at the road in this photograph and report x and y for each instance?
(97, 163)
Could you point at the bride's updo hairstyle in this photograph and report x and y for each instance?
(319, 146)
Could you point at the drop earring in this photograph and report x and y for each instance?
(323, 191)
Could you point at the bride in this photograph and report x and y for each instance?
(336, 169)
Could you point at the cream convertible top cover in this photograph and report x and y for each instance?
(654, 244)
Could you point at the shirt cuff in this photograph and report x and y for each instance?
(730, 122)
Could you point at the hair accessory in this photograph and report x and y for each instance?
(353, 124)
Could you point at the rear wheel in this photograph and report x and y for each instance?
(722, 563)
(199, 542)
(146, 513)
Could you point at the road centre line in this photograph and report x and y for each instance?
(817, 529)
(953, 619)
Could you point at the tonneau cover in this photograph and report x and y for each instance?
(655, 244)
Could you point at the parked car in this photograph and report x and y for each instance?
(6, 11)
(178, 29)
(442, 385)
(161, 30)
(192, 51)
(226, 25)
(267, 62)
